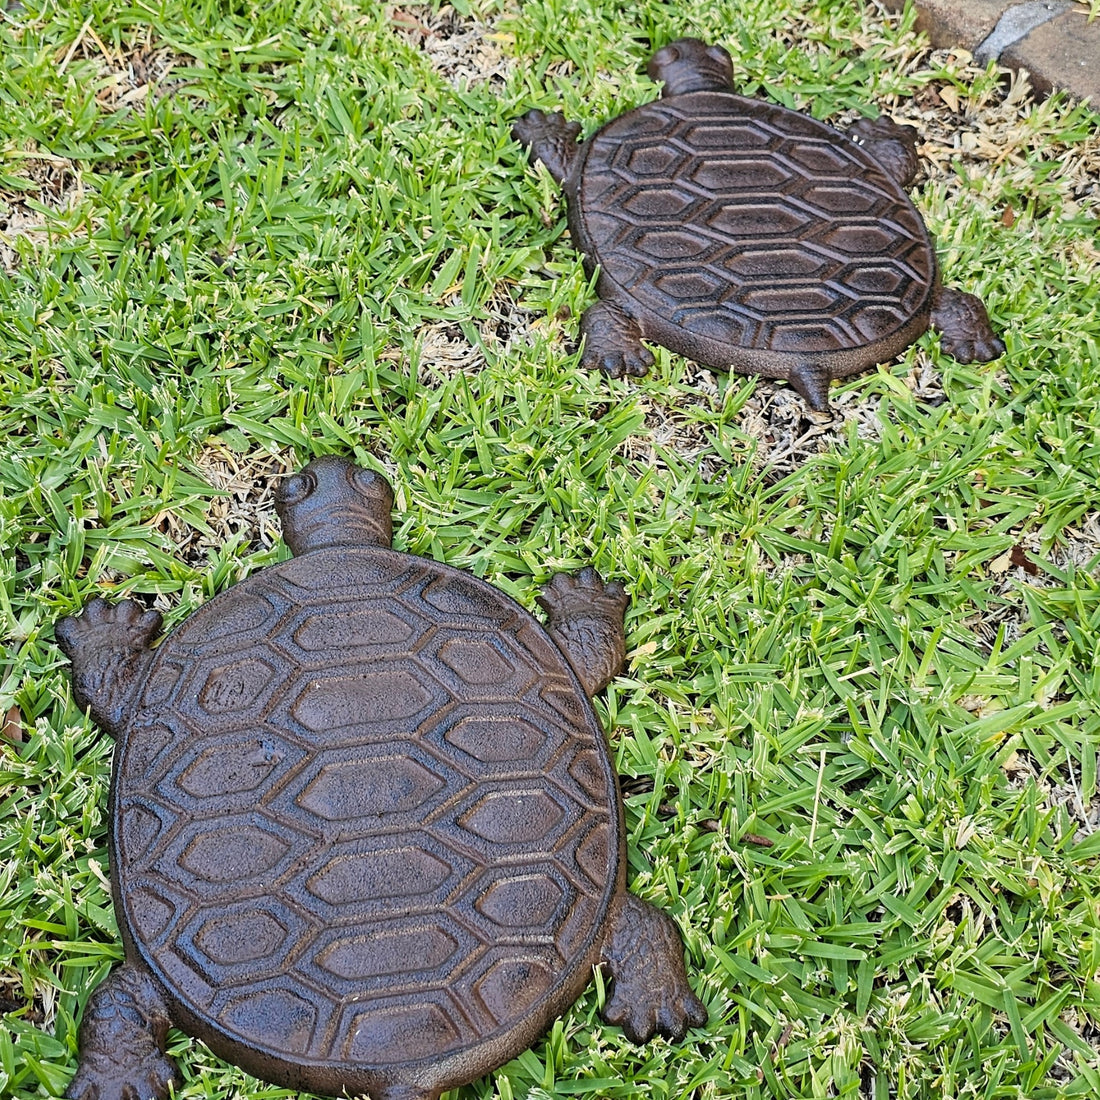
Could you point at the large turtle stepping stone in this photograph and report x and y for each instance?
(365, 832)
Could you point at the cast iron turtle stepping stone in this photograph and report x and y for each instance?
(750, 237)
(365, 830)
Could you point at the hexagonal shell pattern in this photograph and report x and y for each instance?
(364, 810)
(751, 237)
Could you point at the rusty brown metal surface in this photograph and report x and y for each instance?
(753, 227)
(744, 235)
(365, 829)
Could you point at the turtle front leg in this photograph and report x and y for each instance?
(644, 955)
(585, 617)
(965, 332)
(892, 144)
(108, 645)
(551, 139)
(122, 1041)
(613, 341)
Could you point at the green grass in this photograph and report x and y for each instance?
(859, 725)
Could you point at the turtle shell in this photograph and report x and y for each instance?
(365, 824)
(744, 234)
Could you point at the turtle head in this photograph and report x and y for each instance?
(688, 65)
(333, 502)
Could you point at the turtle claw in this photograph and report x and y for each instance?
(892, 144)
(108, 644)
(965, 332)
(585, 618)
(587, 594)
(125, 625)
(972, 351)
(613, 342)
(670, 1014)
(617, 363)
(122, 1042)
(636, 361)
(98, 1079)
(651, 994)
(536, 125)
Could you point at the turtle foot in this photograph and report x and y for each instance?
(583, 596)
(892, 144)
(613, 342)
(585, 618)
(108, 645)
(551, 139)
(651, 994)
(965, 332)
(100, 1077)
(122, 626)
(122, 1042)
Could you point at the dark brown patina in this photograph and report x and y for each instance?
(365, 830)
(750, 237)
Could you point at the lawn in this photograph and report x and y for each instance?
(858, 727)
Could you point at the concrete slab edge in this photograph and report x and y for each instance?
(1017, 23)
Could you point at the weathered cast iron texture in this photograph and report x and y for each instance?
(750, 237)
(365, 830)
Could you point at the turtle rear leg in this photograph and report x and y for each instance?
(122, 1042)
(613, 341)
(645, 956)
(965, 332)
(585, 617)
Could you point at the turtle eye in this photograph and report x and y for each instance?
(365, 481)
(295, 489)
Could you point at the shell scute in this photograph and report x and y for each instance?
(321, 634)
(373, 874)
(725, 174)
(518, 817)
(278, 1015)
(228, 939)
(409, 950)
(755, 220)
(527, 899)
(241, 944)
(497, 740)
(513, 982)
(381, 701)
(229, 769)
(381, 787)
(391, 958)
(221, 854)
(407, 1030)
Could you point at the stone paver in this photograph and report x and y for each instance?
(955, 22)
(1064, 53)
(1051, 39)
